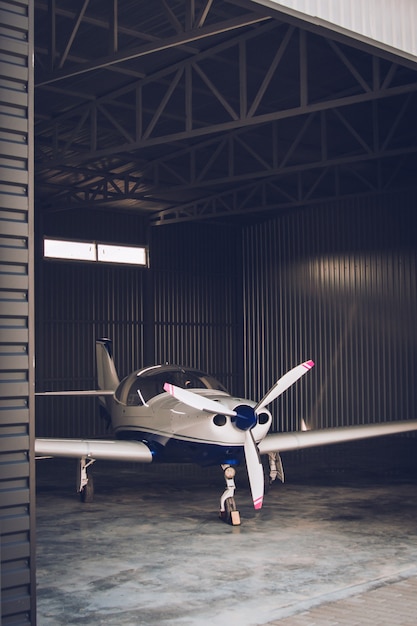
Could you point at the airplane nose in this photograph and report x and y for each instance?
(245, 417)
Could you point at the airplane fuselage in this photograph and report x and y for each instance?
(177, 433)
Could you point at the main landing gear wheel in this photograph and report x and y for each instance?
(275, 468)
(85, 483)
(87, 492)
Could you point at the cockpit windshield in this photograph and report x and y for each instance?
(140, 387)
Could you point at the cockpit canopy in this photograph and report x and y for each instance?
(141, 386)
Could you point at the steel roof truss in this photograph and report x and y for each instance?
(222, 115)
(186, 126)
(224, 149)
(160, 45)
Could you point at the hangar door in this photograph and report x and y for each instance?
(16, 338)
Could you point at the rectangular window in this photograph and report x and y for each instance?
(74, 250)
(133, 255)
(96, 252)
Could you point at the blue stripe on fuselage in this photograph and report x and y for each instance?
(170, 450)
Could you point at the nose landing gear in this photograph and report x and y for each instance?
(228, 512)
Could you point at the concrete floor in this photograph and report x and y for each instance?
(151, 550)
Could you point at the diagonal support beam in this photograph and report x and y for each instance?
(74, 31)
(273, 66)
(159, 46)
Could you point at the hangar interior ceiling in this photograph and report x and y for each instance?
(191, 110)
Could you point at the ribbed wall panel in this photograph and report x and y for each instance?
(198, 300)
(17, 467)
(336, 284)
(80, 303)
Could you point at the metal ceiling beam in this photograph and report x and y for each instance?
(197, 166)
(96, 20)
(272, 195)
(102, 190)
(161, 45)
(194, 165)
(41, 53)
(209, 158)
(159, 77)
(114, 27)
(75, 27)
(82, 154)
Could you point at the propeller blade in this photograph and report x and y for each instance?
(195, 401)
(255, 470)
(283, 383)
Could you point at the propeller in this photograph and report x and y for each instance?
(255, 470)
(283, 383)
(195, 401)
(245, 420)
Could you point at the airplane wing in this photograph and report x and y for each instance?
(111, 450)
(87, 392)
(280, 442)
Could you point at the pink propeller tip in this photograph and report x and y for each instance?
(258, 503)
(308, 364)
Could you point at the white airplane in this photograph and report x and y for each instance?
(171, 414)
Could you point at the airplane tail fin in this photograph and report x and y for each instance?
(107, 377)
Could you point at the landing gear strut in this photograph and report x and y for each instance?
(228, 512)
(85, 484)
(276, 469)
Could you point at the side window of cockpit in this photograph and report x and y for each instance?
(194, 382)
(145, 389)
(133, 396)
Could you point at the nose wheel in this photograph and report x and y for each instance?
(228, 512)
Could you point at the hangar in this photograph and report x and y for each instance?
(264, 153)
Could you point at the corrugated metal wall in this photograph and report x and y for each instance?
(197, 278)
(388, 24)
(337, 284)
(78, 304)
(17, 493)
(185, 309)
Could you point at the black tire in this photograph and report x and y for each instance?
(87, 493)
(230, 506)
